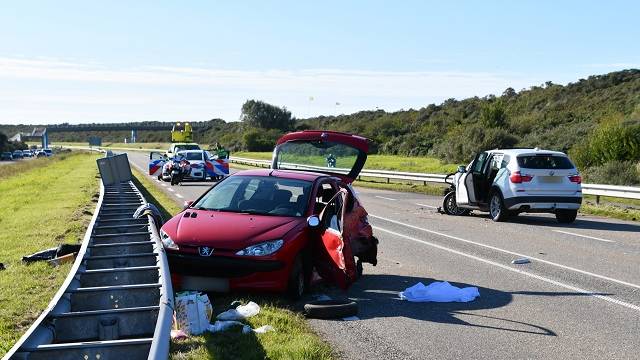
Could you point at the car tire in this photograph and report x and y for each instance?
(330, 309)
(497, 210)
(297, 283)
(566, 216)
(450, 207)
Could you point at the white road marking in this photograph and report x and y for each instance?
(428, 206)
(180, 196)
(509, 252)
(584, 236)
(542, 278)
(385, 198)
(170, 189)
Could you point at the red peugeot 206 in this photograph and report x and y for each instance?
(273, 229)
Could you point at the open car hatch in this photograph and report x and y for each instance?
(334, 153)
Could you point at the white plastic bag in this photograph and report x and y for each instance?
(240, 313)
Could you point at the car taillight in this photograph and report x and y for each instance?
(518, 178)
(575, 179)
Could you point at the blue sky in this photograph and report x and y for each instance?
(85, 61)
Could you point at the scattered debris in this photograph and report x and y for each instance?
(439, 292)
(193, 312)
(241, 312)
(330, 309)
(57, 253)
(222, 325)
(178, 335)
(2, 267)
(57, 261)
(521, 261)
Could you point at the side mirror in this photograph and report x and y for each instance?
(187, 204)
(462, 169)
(313, 221)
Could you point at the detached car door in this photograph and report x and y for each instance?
(334, 153)
(156, 161)
(335, 262)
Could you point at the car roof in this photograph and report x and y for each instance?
(533, 151)
(185, 144)
(286, 174)
(190, 151)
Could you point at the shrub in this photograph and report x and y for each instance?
(614, 173)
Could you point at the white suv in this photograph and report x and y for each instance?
(508, 182)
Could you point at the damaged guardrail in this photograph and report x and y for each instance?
(625, 192)
(117, 301)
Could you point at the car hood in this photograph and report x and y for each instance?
(227, 230)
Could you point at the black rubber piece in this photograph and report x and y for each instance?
(2, 266)
(330, 309)
(65, 249)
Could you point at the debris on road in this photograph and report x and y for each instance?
(240, 313)
(330, 309)
(2, 267)
(439, 292)
(521, 261)
(57, 261)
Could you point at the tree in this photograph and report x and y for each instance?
(493, 115)
(259, 114)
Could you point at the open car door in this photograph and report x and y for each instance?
(467, 183)
(156, 161)
(335, 262)
(334, 153)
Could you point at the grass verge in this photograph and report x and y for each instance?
(43, 205)
(292, 338)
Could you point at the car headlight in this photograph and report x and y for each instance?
(167, 242)
(263, 249)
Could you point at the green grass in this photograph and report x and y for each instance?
(292, 338)
(381, 162)
(41, 208)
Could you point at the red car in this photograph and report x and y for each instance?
(274, 229)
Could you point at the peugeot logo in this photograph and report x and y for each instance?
(205, 251)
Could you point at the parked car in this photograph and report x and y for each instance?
(40, 153)
(272, 229)
(202, 165)
(6, 156)
(27, 153)
(509, 182)
(17, 154)
(176, 147)
(47, 152)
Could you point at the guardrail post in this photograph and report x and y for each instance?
(388, 180)
(597, 199)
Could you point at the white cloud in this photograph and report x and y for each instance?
(83, 92)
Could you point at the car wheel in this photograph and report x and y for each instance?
(496, 207)
(160, 177)
(297, 284)
(330, 309)
(450, 206)
(566, 216)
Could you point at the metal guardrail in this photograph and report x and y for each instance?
(117, 301)
(625, 192)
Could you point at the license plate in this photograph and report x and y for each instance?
(551, 179)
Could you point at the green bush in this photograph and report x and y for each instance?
(260, 139)
(614, 173)
(609, 142)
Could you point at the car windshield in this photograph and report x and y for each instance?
(544, 162)
(261, 195)
(191, 156)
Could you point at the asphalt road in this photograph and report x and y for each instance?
(578, 298)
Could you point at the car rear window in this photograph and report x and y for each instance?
(544, 162)
(194, 156)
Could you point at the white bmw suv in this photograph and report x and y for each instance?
(508, 182)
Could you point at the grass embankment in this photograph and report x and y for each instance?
(43, 203)
(382, 162)
(292, 338)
